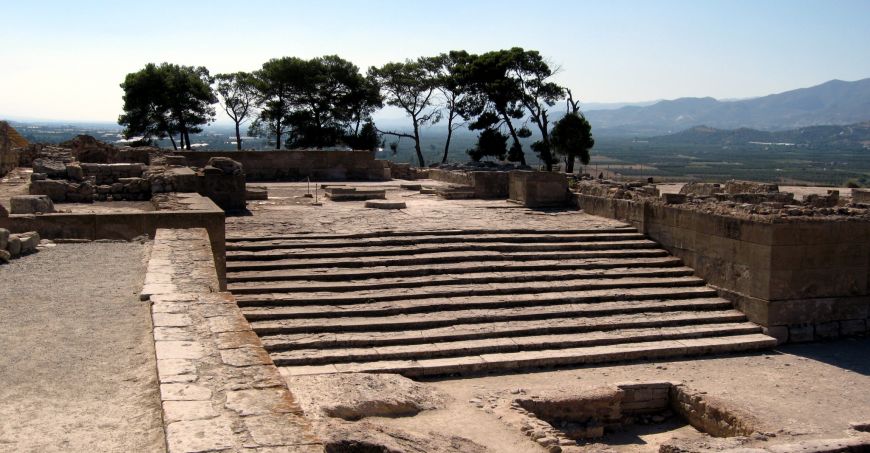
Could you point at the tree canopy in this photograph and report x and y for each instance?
(239, 98)
(160, 101)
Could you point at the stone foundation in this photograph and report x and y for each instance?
(538, 189)
(806, 276)
(292, 165)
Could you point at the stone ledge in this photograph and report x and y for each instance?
(219, 388)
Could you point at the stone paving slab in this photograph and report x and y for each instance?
(219, 388)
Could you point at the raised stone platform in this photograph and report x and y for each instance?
(219, 388)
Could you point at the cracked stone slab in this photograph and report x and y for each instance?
(173, 334)
(256, 376)
(184, 392)
(279, 430)
(171, 320)
(235, 340)
(195, 436)
(262, 401)
(245, 357)
(178, 350)
(174, 411)
(235, 323)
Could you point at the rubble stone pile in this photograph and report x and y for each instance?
(737, 198)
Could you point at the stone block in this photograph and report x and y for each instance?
(178, 350)
(778, 332)
(55, 190)
(184, 392)
(213, 434)
(800, 333)
(13, 246)
(827, 330)
(853, 327)
(4, 238)
(261, 401)
(538, 189)
(3, 211)
(674, 198)
(31, 204)
(174, 411)
(29, 242)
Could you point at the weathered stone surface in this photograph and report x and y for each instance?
(4, 238)
(261, 401)
(13, 246)
(5, 256)
(31, 204)
(184, 392)
(174, 411)
(278, 430)
(195, 436)
(245, 357)
(383, 204)
(178, 350)
(3, 211)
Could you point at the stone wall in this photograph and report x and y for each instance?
(291, 165)
(485, 184)
(538, 188)
(219, 389)
(802, 278)
(179, 211)
(10, 141)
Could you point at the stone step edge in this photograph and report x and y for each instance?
(327, 274)
(308, 286)
(401, 323)
(549, 358)
(331, 298)
(401, 233)
(584, 296)
(412, 260)
(334, 253)
(397, 242)
(460, 348)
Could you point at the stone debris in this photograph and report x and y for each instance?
(735, 198)
(383, 204)
(31, 204)
(16, 245)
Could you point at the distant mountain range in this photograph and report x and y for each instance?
(854, 136)
(832, 103)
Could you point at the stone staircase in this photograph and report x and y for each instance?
(458, 301)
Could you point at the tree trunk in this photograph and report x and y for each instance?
(515, 137)
(449, 134)
(187, 138)
(174, 146)
(569, 163)
(238, 138)
(417, 144)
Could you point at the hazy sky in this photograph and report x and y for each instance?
(65, 59)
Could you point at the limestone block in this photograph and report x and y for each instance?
(52, 168)
(31, 204)
(5, 256)
(74, 172)
(538, 189)
(55, 190)
(14, 246)
(226, 165)
(801, 333)
(827, 330)
(29, 241)
(861, 196)
(4, 238)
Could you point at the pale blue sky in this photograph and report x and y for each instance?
(64, 60)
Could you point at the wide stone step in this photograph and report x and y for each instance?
(309, 253)
(303, 307)
(340, 274)
(502, 329)
(405, 233)
(292, 244)
(470, 290)
(512, 361)
(272, 321)
(501, 345)
(440, 258)
(490, 278)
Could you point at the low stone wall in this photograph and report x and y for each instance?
(485, 184)
(802, 278)
(291, 165)
(184, 211)
(538, 188)
(8, 160)
(219, 388)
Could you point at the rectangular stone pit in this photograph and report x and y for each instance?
(592, 415)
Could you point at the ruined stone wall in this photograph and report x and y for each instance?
(10, 142)
(293, 165)
(486, 184)
(803, 278)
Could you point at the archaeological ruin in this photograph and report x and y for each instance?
(310, 301)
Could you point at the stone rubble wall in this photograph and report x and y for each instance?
(219, 388)
(297, 165)
(16, 245)
(803, 278)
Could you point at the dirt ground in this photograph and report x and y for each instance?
(798, 392)
(77, 372)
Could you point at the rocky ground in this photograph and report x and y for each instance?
(798, 392)
(77, 370)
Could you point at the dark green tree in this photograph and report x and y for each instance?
(167, 99)
(410, 85)
(239, 98)
(572, 136)
(490, 143)
(274, 82)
